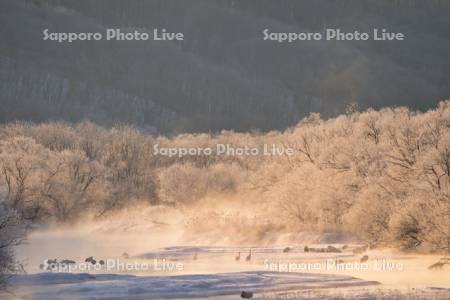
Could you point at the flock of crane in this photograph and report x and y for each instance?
(249, 294)
(49, 263)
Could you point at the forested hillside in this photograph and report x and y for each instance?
(223, 75)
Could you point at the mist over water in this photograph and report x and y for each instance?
(161, 233)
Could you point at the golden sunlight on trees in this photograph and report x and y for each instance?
(383, 176)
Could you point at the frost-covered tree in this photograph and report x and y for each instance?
(383, 176)
(11, 234)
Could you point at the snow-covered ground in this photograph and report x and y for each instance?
(85, 286)
(264, 285)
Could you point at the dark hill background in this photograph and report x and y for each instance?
(223, 76)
